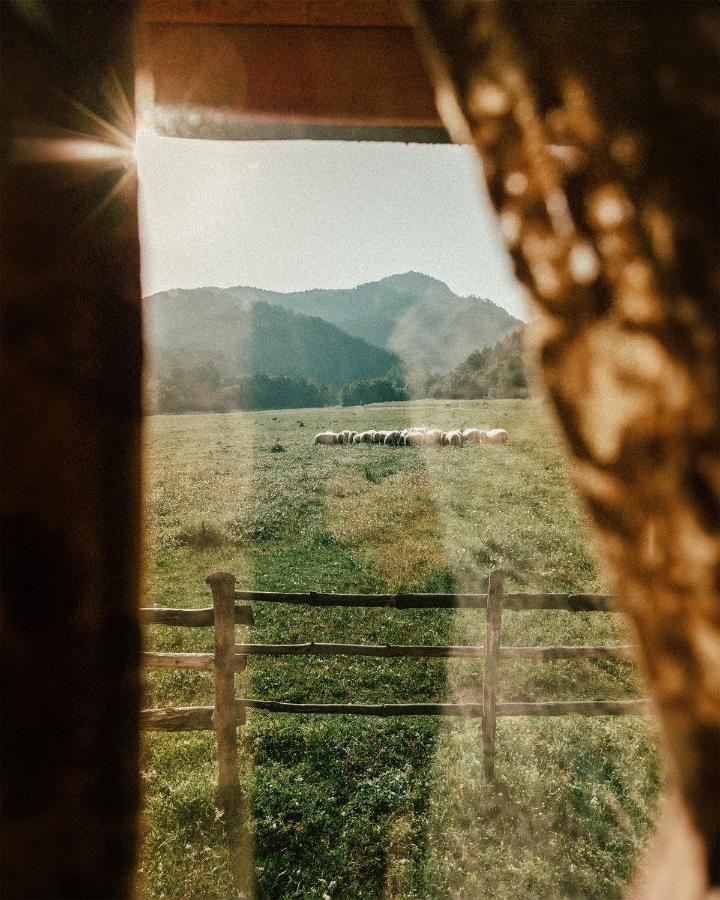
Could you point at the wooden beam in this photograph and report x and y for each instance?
(178, 718)
(341, 13)
(226, 716)
(282, 74)
(203, 617)
(202, 661)
(199, 718)
(492, 659)
(514, 602)
(312, 648)
(393, 601)
(466, 710)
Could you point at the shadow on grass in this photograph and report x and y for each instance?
(340, 802)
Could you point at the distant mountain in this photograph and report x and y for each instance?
(412, 315)
(415, 316)
(244, 336)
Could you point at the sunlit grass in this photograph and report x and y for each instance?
(356, 807)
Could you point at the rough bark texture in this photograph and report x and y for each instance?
(70, 458)
(597, 128)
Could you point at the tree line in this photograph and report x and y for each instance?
(497, 372)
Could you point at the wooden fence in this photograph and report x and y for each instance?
(230, 657)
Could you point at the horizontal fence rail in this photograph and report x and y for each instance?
(206, 660)
(199, 718)
(313, 648)
(191, 618)
(515, 602)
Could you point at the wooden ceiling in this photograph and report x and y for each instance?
(333, 13)
(284, 68)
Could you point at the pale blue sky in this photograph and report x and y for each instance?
(293, 215)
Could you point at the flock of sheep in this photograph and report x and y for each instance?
(415, 437)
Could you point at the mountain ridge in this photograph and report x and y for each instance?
(415, 316)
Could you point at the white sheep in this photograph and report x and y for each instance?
(327, 437)
(357, 439)
(415, 439)
(454, 438)
(472, 436)
(393, 438)
(497, 436)
(434, 435)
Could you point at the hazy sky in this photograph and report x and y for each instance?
(293, 215)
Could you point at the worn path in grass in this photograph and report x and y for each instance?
(356, 807)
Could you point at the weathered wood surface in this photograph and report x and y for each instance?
(393, 601)
(199, 718)
(357, 13)
(179, 661)
(514, 602)
(226, 717)
(177, 718)
(467, 710)
(313, 648)
(492, 657)
(299, 74)
(201, 661)
(191, 618)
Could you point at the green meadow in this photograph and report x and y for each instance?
(360, 807)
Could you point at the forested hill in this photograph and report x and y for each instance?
(497, 371)
(417, 317)
(244, 336)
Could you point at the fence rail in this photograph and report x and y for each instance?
(199, 718)
(230, 657)
(191, 618)
(512, 601)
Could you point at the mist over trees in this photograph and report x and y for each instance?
(251, 337)
(497, 372)
(200, 388)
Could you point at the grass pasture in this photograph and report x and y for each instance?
(357, 807)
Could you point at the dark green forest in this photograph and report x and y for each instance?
(374, 390)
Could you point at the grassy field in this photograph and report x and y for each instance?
(361, 807)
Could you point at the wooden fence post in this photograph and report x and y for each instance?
(492, 656)
(225, 717)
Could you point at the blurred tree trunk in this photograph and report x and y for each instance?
(597, 126)
(70, 452)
